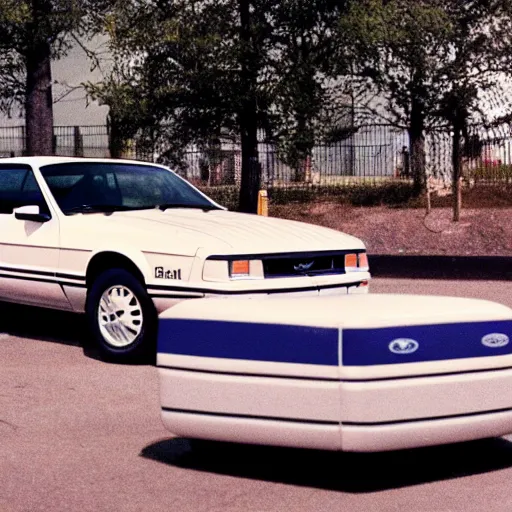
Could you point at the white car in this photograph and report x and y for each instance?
(123, 241)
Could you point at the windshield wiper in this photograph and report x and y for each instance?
(205, 208)
(103, 208)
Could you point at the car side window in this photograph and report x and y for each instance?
(18, 187)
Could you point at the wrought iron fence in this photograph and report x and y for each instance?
(371, 154)
(12, 141)
(91, 141)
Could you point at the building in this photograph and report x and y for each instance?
(71, 106)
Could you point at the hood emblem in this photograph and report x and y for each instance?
(403, 346)
(303, 266)
(495, 340)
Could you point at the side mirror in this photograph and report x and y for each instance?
(32, 213)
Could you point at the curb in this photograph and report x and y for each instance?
(441, 267)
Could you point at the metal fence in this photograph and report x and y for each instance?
(486, 156)
(371, 154)
(91, 141)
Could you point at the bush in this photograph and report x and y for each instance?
(285, 195)
(358, 195)
(371, 194)
(499, 172)
(390, 194)
(224, 195)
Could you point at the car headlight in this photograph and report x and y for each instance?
(228, 270)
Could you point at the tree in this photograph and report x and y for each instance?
(480, 39)
(229, 67)
(431, 61)
(171, 72)
(248, 113)
(197, 65)
(129, 109)
(33, 33)
(399, 47)
(299, 65)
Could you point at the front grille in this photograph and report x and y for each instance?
(309, 264)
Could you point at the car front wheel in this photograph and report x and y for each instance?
(122, 318)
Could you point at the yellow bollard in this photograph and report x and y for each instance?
(263, 203)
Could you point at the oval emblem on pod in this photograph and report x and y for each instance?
(495, 340)
(403, 346)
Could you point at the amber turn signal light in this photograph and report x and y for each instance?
(350, 262)
(239, 268)
(363, 262)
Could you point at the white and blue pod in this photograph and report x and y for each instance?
(356, 373)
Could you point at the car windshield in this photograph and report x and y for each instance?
(92, 187)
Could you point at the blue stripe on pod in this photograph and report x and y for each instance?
(420, 343)
(251, 341)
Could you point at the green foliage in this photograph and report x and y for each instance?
(371, 194)
(303, 34)
(226, 196)
(399, 46)
(428, 55)
(177, 63)
(11, 80)
(434, 62)
(390, 194)
(185, 59)
(129, 108)
(491, 173)
(25, 25)
(298, 194)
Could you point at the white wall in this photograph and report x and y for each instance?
(71, 110)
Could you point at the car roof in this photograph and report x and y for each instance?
(39, 161)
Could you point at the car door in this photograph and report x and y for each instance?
(29, 249)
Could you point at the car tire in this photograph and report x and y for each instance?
(122, 318)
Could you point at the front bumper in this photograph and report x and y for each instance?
(166, 297)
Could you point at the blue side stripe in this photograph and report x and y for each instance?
(251, 341)
(365, 347)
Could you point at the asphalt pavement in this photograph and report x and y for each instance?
(78, 434)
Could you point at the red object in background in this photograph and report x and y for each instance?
(491, 163)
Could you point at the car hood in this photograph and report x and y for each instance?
(230, 232)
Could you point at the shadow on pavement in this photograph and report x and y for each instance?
(345, 472)
(47, 325)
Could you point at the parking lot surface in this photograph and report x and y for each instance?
(82, 435)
